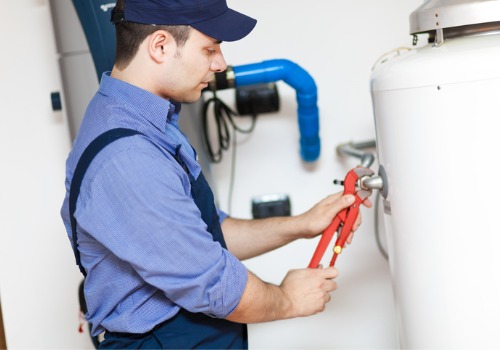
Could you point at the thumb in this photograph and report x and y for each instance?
(346, 200)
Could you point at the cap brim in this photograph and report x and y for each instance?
(230, 26)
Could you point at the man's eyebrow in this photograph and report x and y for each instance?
(217, 42)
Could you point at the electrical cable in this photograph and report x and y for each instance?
(231, 179)
(395, 52)
(377, 231)
(223, 115)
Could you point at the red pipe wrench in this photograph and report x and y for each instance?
(343, 222)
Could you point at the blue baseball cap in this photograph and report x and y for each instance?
(211, 17)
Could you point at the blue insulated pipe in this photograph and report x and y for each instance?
(307, 95)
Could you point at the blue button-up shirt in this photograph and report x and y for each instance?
(142, 241)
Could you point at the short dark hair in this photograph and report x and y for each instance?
(130, 35)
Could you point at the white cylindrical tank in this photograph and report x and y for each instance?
(437, 116)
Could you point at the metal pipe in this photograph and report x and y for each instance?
(355, 150)
(372, 182)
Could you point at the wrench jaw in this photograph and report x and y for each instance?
(344, 221)
(361, 172)
(363, 194)
(354, 179)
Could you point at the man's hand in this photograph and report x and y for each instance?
(308, 290)
(250, 238)
(316, 220)
(303, 292)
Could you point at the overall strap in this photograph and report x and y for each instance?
(81, 168)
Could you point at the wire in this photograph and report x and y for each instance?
(377, 231)
(223, 116)
(231, 181)
(395, 52)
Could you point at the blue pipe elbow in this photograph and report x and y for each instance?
(307, 96)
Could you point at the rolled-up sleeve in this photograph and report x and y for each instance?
(222, 215)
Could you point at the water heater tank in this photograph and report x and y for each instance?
(437, 116)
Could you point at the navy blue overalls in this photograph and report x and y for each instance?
(185, 330)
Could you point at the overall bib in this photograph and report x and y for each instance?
(185, 330)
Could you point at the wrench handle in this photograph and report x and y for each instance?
(324, 242)
(346, 229)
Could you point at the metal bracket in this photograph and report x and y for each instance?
(439, 39)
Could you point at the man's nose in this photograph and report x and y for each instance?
(219, 63)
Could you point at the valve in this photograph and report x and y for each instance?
(376, 182)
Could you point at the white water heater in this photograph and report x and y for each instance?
(437, 116)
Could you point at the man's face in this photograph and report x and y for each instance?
(190, 68)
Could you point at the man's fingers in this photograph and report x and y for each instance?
(330, 286)
(329, 272)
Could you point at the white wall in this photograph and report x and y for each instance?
(336, 42)
(38, 279)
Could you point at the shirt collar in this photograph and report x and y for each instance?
(153, 108)
(173, 112)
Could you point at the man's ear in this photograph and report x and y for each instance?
(160, 42)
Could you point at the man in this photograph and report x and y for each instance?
(161, 270)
